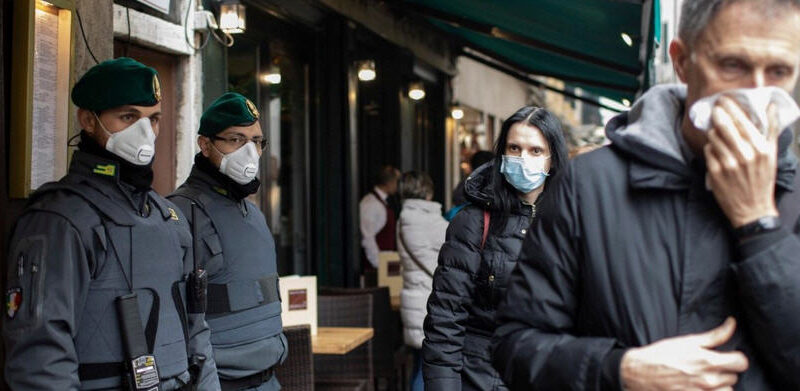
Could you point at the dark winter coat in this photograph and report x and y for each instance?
(630, 248)
(467, 287)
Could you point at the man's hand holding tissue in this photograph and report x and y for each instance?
(741, 162)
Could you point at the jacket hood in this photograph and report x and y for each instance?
(477, 186)
(423, 206)
(478, 191)
(650, 134)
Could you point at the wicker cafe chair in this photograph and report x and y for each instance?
(352, 371)
(297, 372)
(388, 352)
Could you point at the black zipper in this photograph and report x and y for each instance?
(34, 287)
(20, 266)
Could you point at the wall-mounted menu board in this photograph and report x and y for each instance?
(42, 50)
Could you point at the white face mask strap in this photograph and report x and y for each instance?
(226, 154)
(211, 141)
(101, 124)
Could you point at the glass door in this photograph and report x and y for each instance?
(284, 191)
(269, 64)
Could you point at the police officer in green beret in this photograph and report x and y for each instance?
(236, 247)
(96, 293)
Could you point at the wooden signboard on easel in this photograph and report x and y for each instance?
(299, 301)
(390, 272)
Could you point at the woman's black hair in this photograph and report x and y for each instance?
(506, 196)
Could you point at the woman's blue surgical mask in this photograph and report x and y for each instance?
(525, 174)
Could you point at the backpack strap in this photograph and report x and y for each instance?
(486, 218)
(195, 195)
(411, 254)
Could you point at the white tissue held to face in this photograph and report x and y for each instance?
(754, 102)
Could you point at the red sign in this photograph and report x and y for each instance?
(298, 299)
(393, 268)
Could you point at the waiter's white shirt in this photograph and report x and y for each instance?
(372, 216)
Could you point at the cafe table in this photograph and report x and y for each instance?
(339, 340)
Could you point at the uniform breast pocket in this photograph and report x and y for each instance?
(212, 253)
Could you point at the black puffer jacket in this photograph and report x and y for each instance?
(467, 287)
(631, 248)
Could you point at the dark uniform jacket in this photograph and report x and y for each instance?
(80, 244)
(467, 287)
(630, 248)
(236, 248)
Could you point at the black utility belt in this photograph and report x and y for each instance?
(242, 295)
(251, 381)
(96, 371)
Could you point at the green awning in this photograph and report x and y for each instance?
(582, 42)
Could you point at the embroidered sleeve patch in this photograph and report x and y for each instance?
(13, 301)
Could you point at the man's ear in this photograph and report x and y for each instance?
(87, 120)
(203, 143)
(681, 58)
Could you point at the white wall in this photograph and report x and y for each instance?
(96, 16)
(670, 15)
(488, 90)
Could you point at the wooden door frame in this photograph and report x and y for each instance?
(165, 172)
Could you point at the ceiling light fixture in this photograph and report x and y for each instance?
(416, 91)
(627, 39)
(366, 70)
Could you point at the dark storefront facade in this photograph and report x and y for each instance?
(329, 132)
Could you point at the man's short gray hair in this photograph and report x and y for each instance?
(697, 14)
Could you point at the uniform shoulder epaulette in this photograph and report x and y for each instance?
(93, 197)
(194, 194)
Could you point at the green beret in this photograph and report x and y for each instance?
(118, 82)
(230, 109)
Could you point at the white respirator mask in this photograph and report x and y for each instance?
(136, 143)
(240, 165)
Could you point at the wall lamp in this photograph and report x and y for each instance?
(272, 76)
(366, 70)
(231, 16)
(416, 90)
(457, 112)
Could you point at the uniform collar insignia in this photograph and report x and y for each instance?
(105, 169)
(220, 190)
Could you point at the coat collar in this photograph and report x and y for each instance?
(103, 176)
